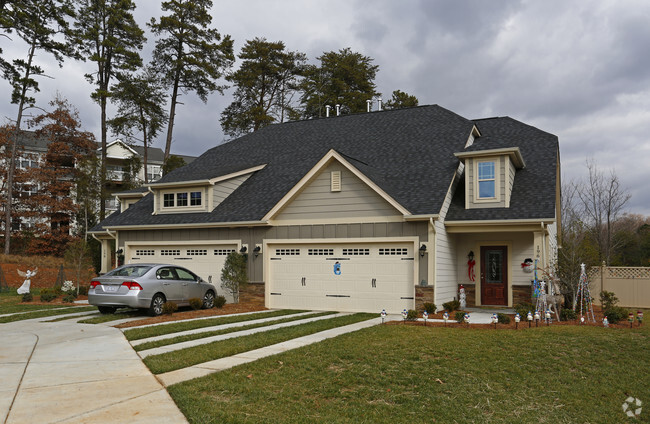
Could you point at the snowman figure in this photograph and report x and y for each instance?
(466, 318)
(462, 297)
(445, 317)
(529, 317)
(517, 318)
(27, 276)
(605, 322)
(383, 315)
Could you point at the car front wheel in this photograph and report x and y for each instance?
(157, 303)
(208, 300)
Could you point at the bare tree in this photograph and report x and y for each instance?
(602, 201)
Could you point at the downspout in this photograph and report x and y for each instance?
(432, 255)
(545, 260)
(155, 203)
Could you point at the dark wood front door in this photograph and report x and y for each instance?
(494, 275)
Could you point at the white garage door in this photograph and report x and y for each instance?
(204, 260)
(342, 277)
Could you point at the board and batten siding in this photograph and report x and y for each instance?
(318, 202)
(223, 189)
(256, 235)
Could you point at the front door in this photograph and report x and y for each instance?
(494, 275)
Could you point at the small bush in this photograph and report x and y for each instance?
(608, 300)
(523, 309)
(169, 308)
(411, 315)
(503, 318)
(28, 297)
(196, 303)
(83, 290)
(568, 314)
(48, 295)
(451, 306)
(615, 314)
(460, 317)
(430, 308)
(69, 298)
(219, 301)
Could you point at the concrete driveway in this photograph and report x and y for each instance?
(65, 372)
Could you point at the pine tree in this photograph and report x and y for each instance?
(189, 55)
(401, 100)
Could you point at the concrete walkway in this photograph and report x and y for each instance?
(63, 372)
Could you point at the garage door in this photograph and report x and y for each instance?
(204, 260)
(349, 277)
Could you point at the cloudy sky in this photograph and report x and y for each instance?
(577, 69)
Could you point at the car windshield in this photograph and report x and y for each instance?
(129, 271)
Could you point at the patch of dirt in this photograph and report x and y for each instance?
(228, 309)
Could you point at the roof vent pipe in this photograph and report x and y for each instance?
(368, 105)
(338, 110)
(379, 103)
(327, 111)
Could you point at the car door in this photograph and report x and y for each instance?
(190, 283)
(172, 287)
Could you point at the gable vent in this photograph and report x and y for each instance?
(335, 180)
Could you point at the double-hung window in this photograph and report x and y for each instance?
(195, 198)
(181, 199)
(486, 180)
(168, 200)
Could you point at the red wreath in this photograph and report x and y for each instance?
(470, 269)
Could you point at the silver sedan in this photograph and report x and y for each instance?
(148, 286)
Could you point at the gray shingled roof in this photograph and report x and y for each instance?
(409, 153)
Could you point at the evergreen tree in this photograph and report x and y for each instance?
(140, 99)
(401, 100)
(107, 34)
(39, 23)
(344, 78)
(265, 85)
(188, 54)
(233, 274)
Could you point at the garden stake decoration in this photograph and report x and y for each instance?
(537, 318)
(547, 315)
(445, 317)
(404, 315)
(383, 315)
(585, 296)
(605, 322)
(462, 298)
(466, 318)
(425, 315)
(529, 317)
(639, 317)
(517, 319)
(495, 320)
(630, 318)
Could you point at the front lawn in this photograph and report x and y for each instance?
(409, 374)
(11, 302)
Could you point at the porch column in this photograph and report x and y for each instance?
(106, 256)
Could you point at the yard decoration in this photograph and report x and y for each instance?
(470, 266)
(517, 319)
(425, 315)
(445, 317)
(495, 319)
(547, 315)
(529, 317)
(605, 322)
(639, 316)
(404, 315)
(586, 305)
(383, 315)
(466, 318)
(27, 276)
(537, 318)
(462, 297)
(630, 318)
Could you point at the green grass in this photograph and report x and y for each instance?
(185, 338)
(159, 330)
(48, 313)
(410, 374)
(11, 303)
(195, 355)
(114, 317)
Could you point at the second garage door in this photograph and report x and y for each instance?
(349, 277)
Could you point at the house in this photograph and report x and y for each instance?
(382, 210)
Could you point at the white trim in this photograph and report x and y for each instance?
(496, 178)
(352, 220)
(478, 295)
(206, 182)
(193, 225)
(309, 176)
(479, 223)
(123, 144)
(213, 181)
(513, 152)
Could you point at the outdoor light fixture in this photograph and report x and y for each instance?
(470, 255)
(423, 250)
(120, 251)
(243, 249)
(257, 250)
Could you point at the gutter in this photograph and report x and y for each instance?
(201, 225)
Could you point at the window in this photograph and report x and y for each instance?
(197, 252)
(287, 252)
(185, 275)
(195, 198)
(393, 251)
(486, 180)
(170, 252)
(320, 252)
(356, 252)
(181, 199)
(168, 200)
(223, 252)
(145, 252)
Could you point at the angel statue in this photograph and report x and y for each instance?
(27, 276)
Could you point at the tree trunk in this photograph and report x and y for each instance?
(172, 113)
(143, 122)
(102, 173)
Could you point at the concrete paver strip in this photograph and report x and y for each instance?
(217, 327)
(194, 319)
(206, 340)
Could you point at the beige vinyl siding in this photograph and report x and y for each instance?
(552, 243)
(445, 257)
(118, 151)
(223, 189)
(257, 235)
(511, 180)
(318, 202)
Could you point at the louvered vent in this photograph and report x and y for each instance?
(335, 178)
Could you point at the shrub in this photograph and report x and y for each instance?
(460, 317)
(169, 308)
(48, 295)
(411, 315)
(608, 299)
(27, 297)
(196, 303)
(523, 309)
(69, 298)
(503, 318)
(83, 290)
(219, 301)
(451, 306)
(615, 314)
(568, 314)
(430, 308)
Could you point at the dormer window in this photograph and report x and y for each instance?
(168, 200)
(195, 198)
(486, 180)
(181, 199)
